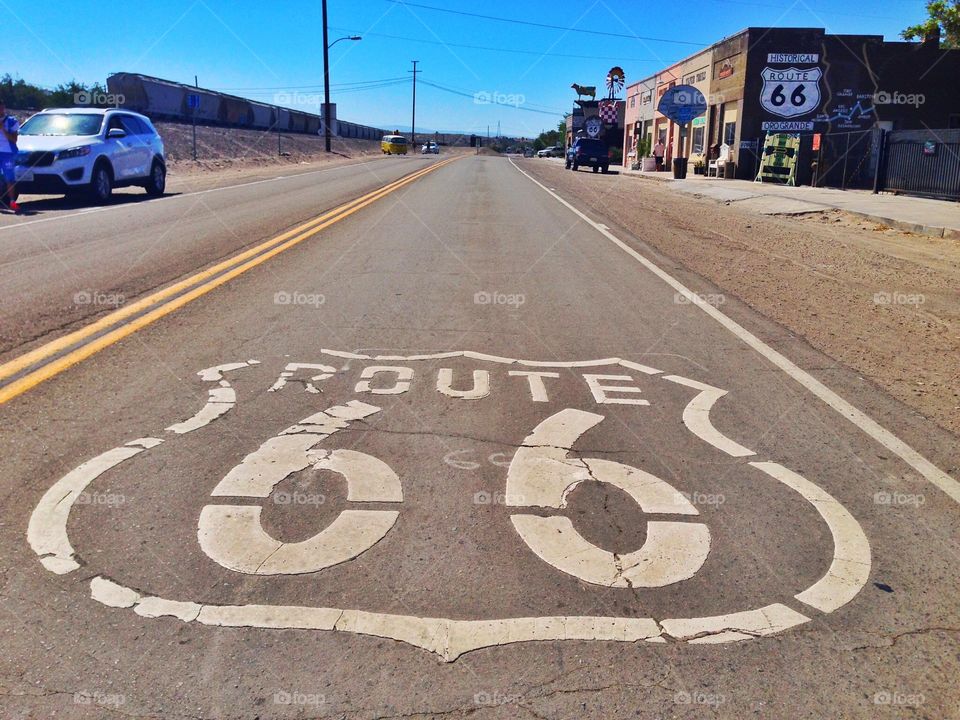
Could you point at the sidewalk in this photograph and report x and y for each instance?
(938, 218)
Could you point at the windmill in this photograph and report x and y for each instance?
(608, 107)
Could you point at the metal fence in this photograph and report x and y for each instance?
(848, 160)
(922, 162)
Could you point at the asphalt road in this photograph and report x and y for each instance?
(458, 452)
(65, 261)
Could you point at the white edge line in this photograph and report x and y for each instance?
(869, 426)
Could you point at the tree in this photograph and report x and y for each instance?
(944, 17)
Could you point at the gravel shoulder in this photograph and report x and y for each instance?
(881, 301)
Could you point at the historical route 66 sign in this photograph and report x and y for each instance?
(594, 126)
(380, 424)
(791, 92)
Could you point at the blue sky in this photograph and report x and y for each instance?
(271, 51)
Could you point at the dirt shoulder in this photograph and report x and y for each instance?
(881, 301)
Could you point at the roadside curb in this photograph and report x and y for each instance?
(931, 230)
(939, 231)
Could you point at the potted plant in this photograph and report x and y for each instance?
(699, 167)
(647, 162)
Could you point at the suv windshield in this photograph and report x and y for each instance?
(62, 124)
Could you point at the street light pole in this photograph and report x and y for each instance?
(326, 74)
(326, 81)
(413, 120)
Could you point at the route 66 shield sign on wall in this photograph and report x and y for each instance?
(791, 92)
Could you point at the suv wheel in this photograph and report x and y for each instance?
(101, 183)
(157, 182)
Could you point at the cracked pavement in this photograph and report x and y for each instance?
(453, 613)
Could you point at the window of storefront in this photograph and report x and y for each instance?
(730, 133)
(697, 141)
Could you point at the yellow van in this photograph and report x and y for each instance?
(393, 145)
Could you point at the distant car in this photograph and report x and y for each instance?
(430, 148)
(590, 152)
(528, 153)
(81, 149)
(393, 145)
(554, 151)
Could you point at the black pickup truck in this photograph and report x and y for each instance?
(590, 152)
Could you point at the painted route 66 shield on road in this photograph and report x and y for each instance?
(432, 451)
(791, 92)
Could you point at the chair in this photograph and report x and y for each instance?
(718, 164)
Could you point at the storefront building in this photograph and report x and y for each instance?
(638, 119)
(804, 80)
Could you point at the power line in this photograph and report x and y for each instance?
(800, 7)
(545, 25)
(343, 91)
(491, 101)
(307, 87)
(505, 50)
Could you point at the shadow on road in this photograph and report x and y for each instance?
(78, 202)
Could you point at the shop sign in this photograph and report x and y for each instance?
(793, 58)
(791, 92)
(787, 126)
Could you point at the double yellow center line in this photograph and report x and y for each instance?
(52, 358)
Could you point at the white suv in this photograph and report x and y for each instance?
(82, 149)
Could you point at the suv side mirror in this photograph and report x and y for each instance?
(116, 133)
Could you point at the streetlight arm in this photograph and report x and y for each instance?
(345, 37)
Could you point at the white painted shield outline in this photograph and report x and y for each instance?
(788, 111)
(847, 574)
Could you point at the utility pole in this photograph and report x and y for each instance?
(326, 81)
(413, 120)
(196, 84)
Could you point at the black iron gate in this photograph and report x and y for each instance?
(922, 162)
(848, 160)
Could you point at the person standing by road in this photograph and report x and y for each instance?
(658, 154)
(9, 132)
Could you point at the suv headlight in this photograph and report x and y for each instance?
(73, 152)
